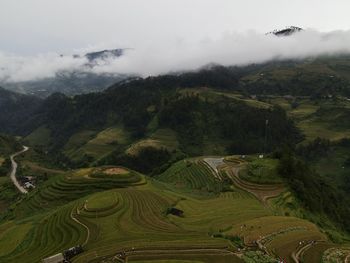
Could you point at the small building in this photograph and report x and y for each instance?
(29, 185)
(58, 258)
(69, 253)
(288, 97)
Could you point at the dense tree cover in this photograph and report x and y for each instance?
(335, 116)
(314, 149)
(313, 191)
(8, 145)
(15, 110)
(302, 83)
(20, 114)
(198, 121)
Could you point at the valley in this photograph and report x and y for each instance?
(181, 169)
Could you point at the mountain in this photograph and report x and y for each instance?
(16, 109)
(226, 164)
(68, 82)
(8, 145)
(74, 82)
(105, 54)
(286, 31)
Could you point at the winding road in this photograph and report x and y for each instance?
(14, 170)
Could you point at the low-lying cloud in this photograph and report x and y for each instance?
(154, 58)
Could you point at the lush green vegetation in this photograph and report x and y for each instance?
(191, 209)
(8, 145)
(112, 209)
(261, 171)
(316, 193)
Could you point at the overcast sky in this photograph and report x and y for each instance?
(37, 26)
(166, 35)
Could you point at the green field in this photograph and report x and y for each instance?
(40, 137)
(96, 145)
(261, 171)
(322, 118)
(162, 138)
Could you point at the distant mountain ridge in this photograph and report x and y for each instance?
(76, 82)
(286, 31)
(104, 54)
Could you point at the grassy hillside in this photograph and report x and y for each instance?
(91, 129)
(209, 112)
(8, 145)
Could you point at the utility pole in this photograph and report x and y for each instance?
(265, 142)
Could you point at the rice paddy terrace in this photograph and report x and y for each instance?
(199, 210)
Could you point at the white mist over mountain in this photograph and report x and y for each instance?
(159, 58)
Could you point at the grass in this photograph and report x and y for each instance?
(261, 171)
(40, 137)
(315, 253)
(250, 102)
(192, 174)
(284, 245)
(53, 233)
(332, 165)
(190, 259)
(96, 145)
(304, 110)
(3, 179)
(318, 118)
(161, 138)
(165, 261)
(206, 215)
(11, 236)
(313, 129)
(78, 140)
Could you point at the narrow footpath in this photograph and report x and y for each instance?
(14, 170)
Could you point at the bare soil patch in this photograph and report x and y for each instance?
(115, 171)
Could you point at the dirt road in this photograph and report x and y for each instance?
(14, 170)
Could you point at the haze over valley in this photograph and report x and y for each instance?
(174, 131)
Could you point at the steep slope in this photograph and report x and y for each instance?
(200, 124)
(210, 122)
(15, 110)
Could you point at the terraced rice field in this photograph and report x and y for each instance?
(119, 215)
(96, 145)
(134, 221)
(335, 255)
(54, 233)
(162, 138)
(62, 189)
(192, 174)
